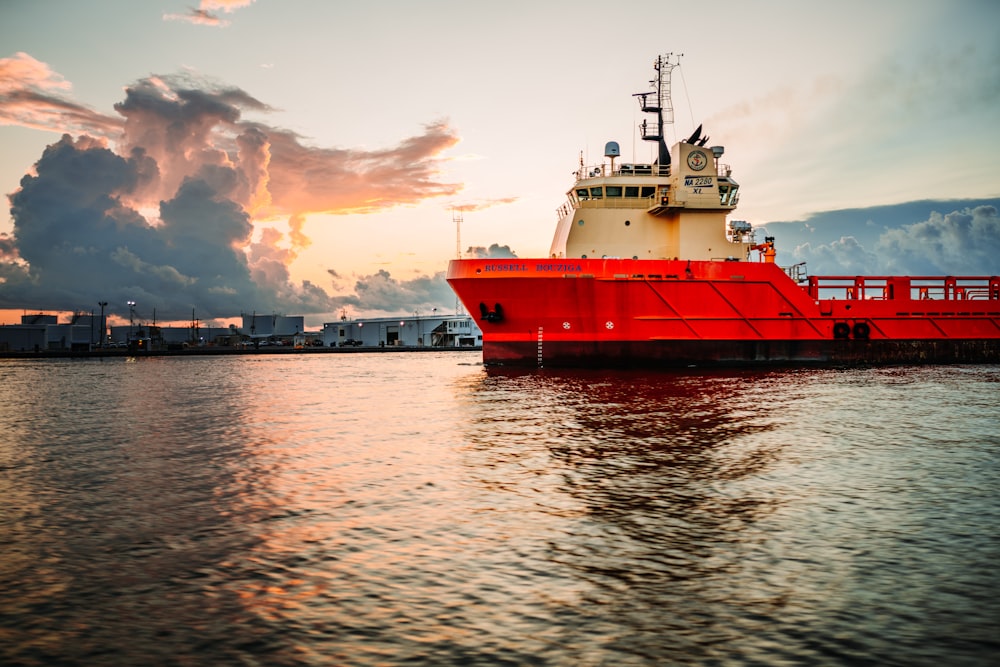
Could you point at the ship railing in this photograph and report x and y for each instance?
(626, 169)
(643, 170)
(914, 288)
(796, 272)
(568, 207)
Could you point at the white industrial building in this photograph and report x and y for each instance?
(267, 326)
(40, 332)
(410, 331)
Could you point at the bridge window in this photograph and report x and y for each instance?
(597, 193)
(631, 190)
(583, 193)
(614, 191)
(728, 194)
(648, 190)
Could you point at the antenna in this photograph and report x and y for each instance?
(663, 105)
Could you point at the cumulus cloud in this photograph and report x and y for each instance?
(846, 256)
(495, 251)
(79, 241)
(380, 292)
(962, 242)
(159, 202)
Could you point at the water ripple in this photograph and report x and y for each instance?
(393, 508)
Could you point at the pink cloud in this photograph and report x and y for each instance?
(306, 179)
(225, 5)
(198, 17)
(23, 71)
(482, 205)
(204, 13)
(31, 95)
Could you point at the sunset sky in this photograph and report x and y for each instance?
(306, 156)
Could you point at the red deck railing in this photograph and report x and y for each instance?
(904, 288)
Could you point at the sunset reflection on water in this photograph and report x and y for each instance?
(390, 508)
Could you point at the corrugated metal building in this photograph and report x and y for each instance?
(414, 331)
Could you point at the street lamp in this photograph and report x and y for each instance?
(104, 326)
(131, 319)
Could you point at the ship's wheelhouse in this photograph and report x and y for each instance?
(650, 211)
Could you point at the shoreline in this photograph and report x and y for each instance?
(216, 351)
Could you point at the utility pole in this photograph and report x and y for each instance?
(456, 216)
(131, 320)
(104, 326)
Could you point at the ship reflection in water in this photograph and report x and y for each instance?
(393, 508)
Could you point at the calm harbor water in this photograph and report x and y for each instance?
(416, 509)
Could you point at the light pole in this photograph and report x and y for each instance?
(104, 327)
(131, 320)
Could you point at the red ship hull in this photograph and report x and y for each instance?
(670, 313)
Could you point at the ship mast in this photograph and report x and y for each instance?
(659, 102)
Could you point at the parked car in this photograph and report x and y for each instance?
(350, 342)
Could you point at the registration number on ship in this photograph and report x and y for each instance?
(698, 181)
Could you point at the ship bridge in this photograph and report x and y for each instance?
(651, 210)
(649, 187)
(674, 207)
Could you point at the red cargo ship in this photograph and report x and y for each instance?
(644, 271)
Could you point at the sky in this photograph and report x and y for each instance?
(310, 157)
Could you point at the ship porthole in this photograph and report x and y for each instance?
(635, 256)
(580, 222)
(628, 222)
(583, 257)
